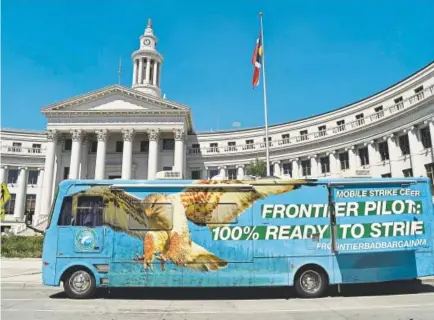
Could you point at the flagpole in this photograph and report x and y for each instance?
(264, 85)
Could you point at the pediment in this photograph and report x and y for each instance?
(115, 98)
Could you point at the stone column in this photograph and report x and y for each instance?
(40, 184)
(393, 156)
(179, 150)
(140, 79)
(100, 154)
(135, 72)
(276, 168)
(77, 137)
(154, 80)
(240, 171)
(416, 150)
(84, 156)
(295, 168)
(352, 159)
(159, 75)
(3, 174)
(20, 199)
(222, 172)
(333, 163)
(431, 132)
(153, 135)
(373, 158)
(313, 166)
(47, 190)
(148, 70)
(127, 156)
(205, 173)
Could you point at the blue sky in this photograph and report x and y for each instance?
(320, 55)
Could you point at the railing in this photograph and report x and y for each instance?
(22, 150)
(322, 134)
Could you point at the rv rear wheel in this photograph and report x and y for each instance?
(79, 284)
(311, 282)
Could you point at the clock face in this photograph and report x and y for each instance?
(146, 42)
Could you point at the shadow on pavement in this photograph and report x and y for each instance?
(247, 293)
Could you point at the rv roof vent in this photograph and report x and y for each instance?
(169, 175)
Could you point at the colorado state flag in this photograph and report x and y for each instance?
(257, 60)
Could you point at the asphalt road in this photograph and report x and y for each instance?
(398, 301)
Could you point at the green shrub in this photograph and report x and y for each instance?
(21, 247)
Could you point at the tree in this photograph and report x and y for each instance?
(257, 168)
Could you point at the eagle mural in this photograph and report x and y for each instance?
(198, 205)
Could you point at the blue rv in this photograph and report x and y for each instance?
(309, 234)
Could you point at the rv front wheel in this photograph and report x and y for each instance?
(79, 284)
(311, 283)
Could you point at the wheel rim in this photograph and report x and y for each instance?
(80, 282)
(311, 281)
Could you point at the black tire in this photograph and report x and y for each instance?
(311, 282)
(79, 284)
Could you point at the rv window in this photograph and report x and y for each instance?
(162, 219)
(209, 213)
(65, 217)
(89, 211)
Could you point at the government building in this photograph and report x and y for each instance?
(134, 133)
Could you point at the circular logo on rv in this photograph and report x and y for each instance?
(85, 239)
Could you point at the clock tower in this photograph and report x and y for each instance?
(147, 64)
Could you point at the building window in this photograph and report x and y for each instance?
(36, 148)
(344, 160)
(321, 131)
(249, 144)
(383, 150)
(119, 146)
(16, 147)
(232, 146)
(360, 119)
(285, 138)
(341, 125)
(144, 146)
(419, 92)
(407, 172)
(30, 206)
(325, 164)
(12, 175)
(269, 141)
(287, 168)
(232, 173)
(404, 144)
(32, 177)
(67, 146)
(425, 137)
(65, 173)
(195, 174)
(10, 205)
(364, 156)
(214, 147)
(303, 135)
(305, 167)
(195, 146)
(386, 175)
(399, 103)
(379, 112)
(168, 144)
(93, 146)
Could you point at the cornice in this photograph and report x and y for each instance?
(111, 90)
